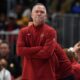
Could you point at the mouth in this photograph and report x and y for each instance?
(39, 18)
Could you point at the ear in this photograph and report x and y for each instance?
(31, 15)
(30, 23)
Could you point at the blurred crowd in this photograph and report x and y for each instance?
(10, 62)
(19, 14)
(14, 20)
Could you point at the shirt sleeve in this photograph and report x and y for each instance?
(48, 48)
(64, 63)
(22, 49)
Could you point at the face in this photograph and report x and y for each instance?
(4, 62)
(38, 14)
(4, 49)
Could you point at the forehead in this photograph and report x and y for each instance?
(39, 7)
(4, 45)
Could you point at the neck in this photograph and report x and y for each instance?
(38, 25)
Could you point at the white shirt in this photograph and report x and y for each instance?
(5, 74)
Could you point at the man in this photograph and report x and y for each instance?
(36, 45)
(13, 62)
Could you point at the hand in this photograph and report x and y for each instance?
(77, 47)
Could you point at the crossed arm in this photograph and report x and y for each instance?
(41, 52)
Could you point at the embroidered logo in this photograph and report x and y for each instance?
(42, 35)
(28, 34)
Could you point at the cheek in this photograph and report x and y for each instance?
(33, 15)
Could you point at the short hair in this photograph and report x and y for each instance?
(5, 42)
(39, 4)
(4, 62)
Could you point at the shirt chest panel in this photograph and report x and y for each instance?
(2, 74)
(35, 38)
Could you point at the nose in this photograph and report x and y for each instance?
(39, 13)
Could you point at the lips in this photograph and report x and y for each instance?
(39, 18)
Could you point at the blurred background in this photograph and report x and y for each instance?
(63, 15)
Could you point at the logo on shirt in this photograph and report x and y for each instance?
(42, 35)
(29, 34)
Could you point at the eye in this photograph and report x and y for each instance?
(39, 11)
(42, 11)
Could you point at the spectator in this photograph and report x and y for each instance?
(75, 65)
(76, 49)
(76, 7)
(2, 21)
(11, 22)
(13, 61)
(4, 73)
(25, 18)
